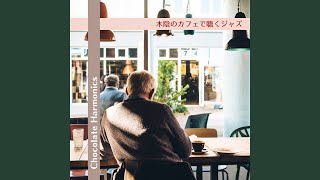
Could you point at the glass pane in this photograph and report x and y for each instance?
(101, 68)
(76, 52)
(79, 81)
(122, 68)
(85, 52)
(194, 52)
(190, 76)
(173, 53)
(101, 52)
(209, 94)
(101, 76)
(162, 53)
(217, 83)
(133, 52)
(121, 53)
(110, 52)
(185, 52)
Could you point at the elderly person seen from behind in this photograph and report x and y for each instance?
(110, 96)
(141, 129)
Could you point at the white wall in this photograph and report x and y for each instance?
(236, 86)
(123, 39)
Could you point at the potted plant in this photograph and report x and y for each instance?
(166, 94)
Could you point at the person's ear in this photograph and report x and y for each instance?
(127, 91)
(151, 94)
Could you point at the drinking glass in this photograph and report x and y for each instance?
(78, 138)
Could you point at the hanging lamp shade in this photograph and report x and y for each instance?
(103, 10)
(127, 70)
(240, 40)
(163, 13)
(188, 32)
(105, 35)
(188, 15)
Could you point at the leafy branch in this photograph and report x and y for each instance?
(165, 93)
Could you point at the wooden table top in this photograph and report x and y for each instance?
(241, 144)
(80, 158)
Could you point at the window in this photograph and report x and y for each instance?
(185, 53)
(173, 53)
(121, 53)
(120, 64)
(79, 81)
(190, 76)
(186, 72)
(101, 52)
(133, 52)
(194, 52)
(110, 52)
(121, 68)
(76, 52)
(85, 52)
(162, 53)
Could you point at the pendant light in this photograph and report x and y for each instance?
(163, 13)
(240, 40)
(127, 70)
(188, 15)
(105, 35)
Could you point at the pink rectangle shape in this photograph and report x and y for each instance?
(78, 24)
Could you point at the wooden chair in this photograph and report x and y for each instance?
(206, 132)
(242, 132)
(197, 121)
(82, 174)
(83, 126)
(201, 132)
(155, 170)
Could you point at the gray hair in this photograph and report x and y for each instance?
(140, 82)
(111, 80)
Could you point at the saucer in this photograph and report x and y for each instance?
(202, 152)
(224, 151)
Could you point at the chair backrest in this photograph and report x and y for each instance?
(83, 126)
(241, 132)
(197, 121)
(155, 170)
(201, 132)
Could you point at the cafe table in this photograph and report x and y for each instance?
(240, 144)
(79, 159)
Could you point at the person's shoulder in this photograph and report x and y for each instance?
(122, 92)
(115, 107)
(103, 93)
(158, 104)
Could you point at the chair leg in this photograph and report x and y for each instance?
(199, 173)
(248, 174)
(238, 172)
(222, 173)
(227, 174)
